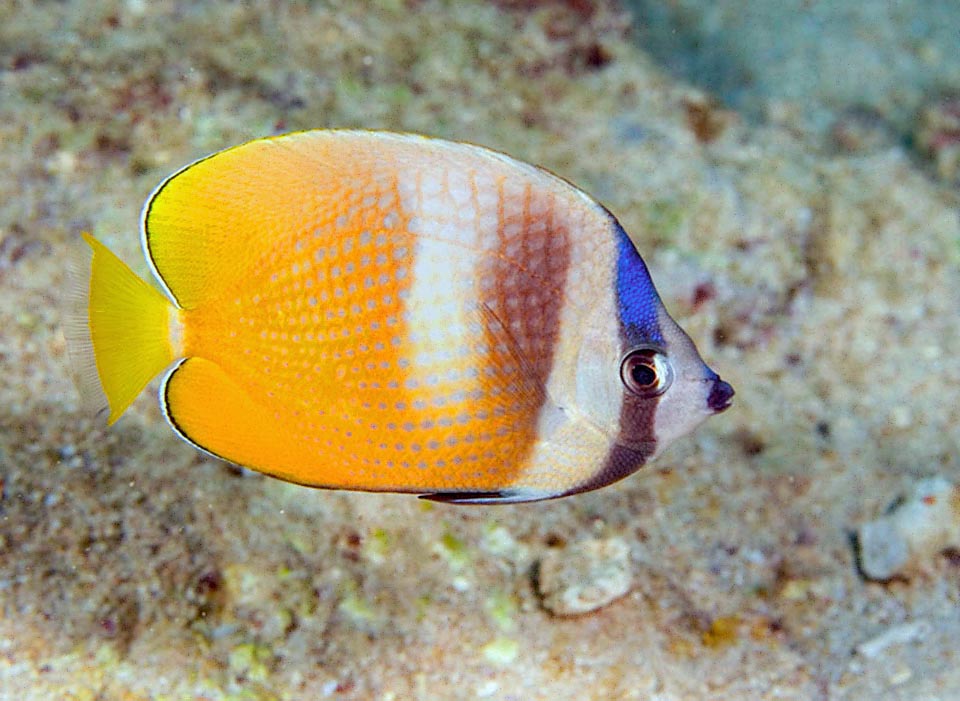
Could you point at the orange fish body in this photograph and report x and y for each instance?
(387, 312)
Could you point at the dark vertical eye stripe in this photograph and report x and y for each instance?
(638, 305)
(620, 462)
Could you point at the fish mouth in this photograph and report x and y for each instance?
(720, 396)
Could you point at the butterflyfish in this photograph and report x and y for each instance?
(378, 311)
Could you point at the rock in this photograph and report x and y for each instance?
(901, 634)
(585, 576)
(920, 526)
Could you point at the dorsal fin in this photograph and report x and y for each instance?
(201, 223)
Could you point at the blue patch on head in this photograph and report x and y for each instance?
(637, 300)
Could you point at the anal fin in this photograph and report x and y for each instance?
(209, 410)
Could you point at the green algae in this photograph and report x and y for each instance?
(454, 551)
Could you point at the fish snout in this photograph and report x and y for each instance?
(720, 395)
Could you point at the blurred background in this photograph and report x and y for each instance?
(790, 172)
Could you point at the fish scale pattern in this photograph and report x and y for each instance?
(400, 331)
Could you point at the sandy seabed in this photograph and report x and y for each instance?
(808, 240)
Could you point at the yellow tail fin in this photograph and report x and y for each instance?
(118, 331)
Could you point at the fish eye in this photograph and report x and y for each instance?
(646, 372)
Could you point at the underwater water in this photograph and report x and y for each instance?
(789, 172)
